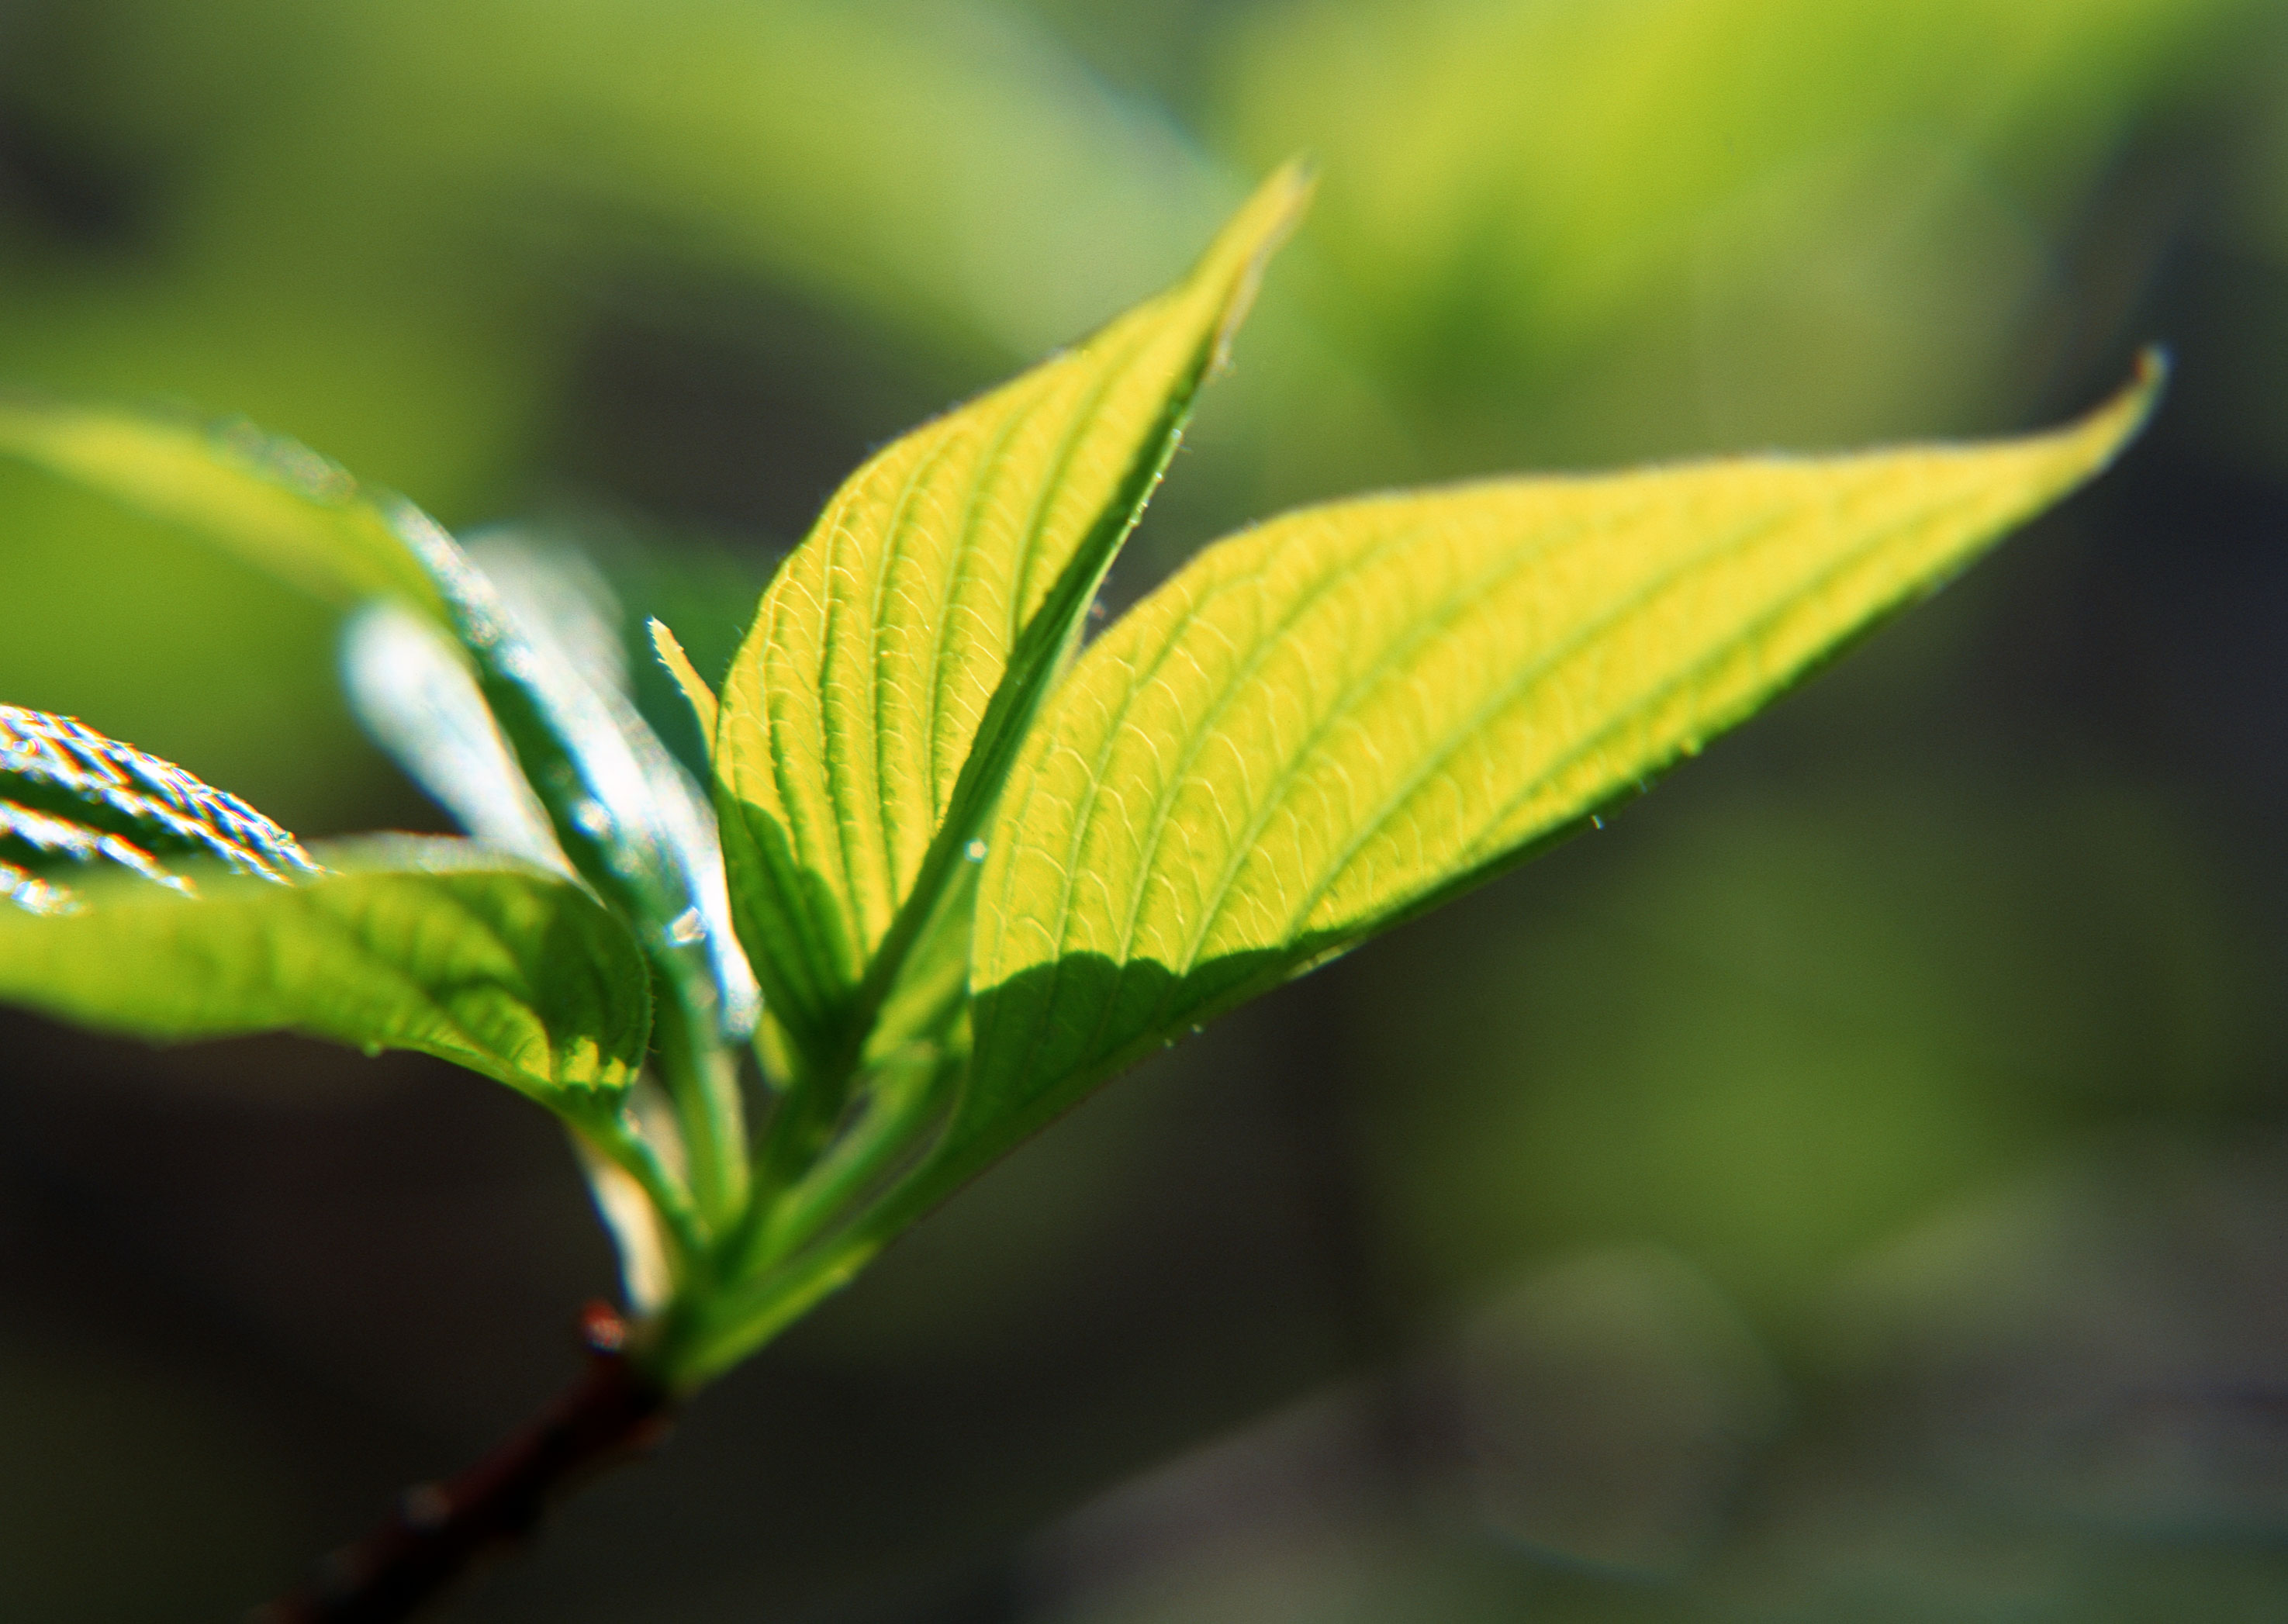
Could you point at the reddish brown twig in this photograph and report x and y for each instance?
(439, 1530)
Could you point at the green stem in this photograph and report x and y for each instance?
(697, 1346)
(808, 1112)
(701, 1075)
(779, 1229)
(798, 1129)
(621, 1145)
(705, 1335)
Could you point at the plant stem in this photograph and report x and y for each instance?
(618, 1142)
(616, 1410)
(778, 1231)
(701, 1347)
(701, 1077)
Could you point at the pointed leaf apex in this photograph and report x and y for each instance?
(695, 691)
(902, 652)
(1236, 260)
(2121, 419)
(1339, 717)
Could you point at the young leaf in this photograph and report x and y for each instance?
(623, 810)
(632, 821)
(279, 505)
(899, 656)
(39, 843)
(696, 693)
(1325, 725)
(428, 945)
(412, 688)
(620, 811)
(58, 765)
(32, 892)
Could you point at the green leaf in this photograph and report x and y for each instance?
(1329, 723)
(144, 806)
(72, 800)
(427, 944)
(35, 845)
(899, 656)
(411, 688)
(695, 691)
(621, 810)
(279, 505)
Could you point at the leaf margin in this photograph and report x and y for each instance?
(171, 942)
(2084, 446)
(827, 957)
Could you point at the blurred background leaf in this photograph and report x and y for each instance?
(1848, 1187)
(1636, 228)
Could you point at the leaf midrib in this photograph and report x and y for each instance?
(1139, 680)
(861, 815)
(1120, 517)
(1457, 737)
(1763, 623)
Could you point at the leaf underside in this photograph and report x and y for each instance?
(899, 656)
(426, 945)
(1327, 724)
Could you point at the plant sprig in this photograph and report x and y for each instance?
(971, 869)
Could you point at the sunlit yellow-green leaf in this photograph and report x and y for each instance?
(427, 944)
(281, 507)
(695, 691)
(1325, 724)
(900, 653)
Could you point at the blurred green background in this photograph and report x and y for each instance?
(1851, 1186)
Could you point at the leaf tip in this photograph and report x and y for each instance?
(2110, 427)
(1290, 188)
(1244, 247)
(695, 691)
